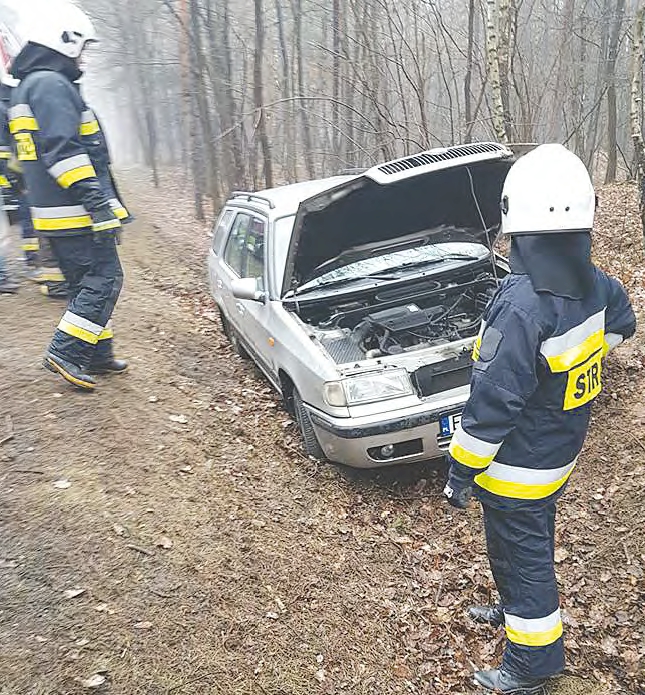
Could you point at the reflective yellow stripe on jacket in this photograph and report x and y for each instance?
(72, 170)
(472, 452)
(89, 124)
(575, 346)
(60, 218)
(21, 117)
(523, 483)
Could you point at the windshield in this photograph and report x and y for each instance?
(281, 241)
(432, 254)
(436, 256)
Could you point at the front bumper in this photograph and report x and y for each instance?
(414, 434)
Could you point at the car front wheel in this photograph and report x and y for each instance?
(233, 337)
(311, 443)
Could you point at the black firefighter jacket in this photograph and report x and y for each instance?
(538, 368)
(5, 138)
(49, 121)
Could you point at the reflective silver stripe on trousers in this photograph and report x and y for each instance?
(552, 347)
(69, 164)
(20, 111)
(88, 116)
(528, 476)
(54, 213)
(474, 445)
(80, 322)
(5, 148)
(533, 625)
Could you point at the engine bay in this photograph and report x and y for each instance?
(392, 321)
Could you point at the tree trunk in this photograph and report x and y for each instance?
(469, 70)
(635, 110)
(304, 117)
(492, 45)
(335, 113)
(612, 145)
(258, 93)
(287, 94)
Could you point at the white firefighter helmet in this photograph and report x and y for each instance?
(61, 26)
(10, 39)
(548, 190)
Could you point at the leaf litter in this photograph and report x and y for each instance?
(375, 569)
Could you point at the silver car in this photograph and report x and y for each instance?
(360, 297)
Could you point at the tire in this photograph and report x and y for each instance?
(232, 337)
(309, 439)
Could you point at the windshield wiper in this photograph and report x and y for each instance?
(346, 281)
(436, 261)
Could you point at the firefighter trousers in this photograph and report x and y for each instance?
(521, 548)
(91, 266)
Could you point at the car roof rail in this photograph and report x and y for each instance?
(352, 172)
(253, 196)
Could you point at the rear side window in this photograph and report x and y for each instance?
(220, 229)
(253, 262)
(234, 252)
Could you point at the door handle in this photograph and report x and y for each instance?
(240, 308)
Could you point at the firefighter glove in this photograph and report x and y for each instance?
(459, 489)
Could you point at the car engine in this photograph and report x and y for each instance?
(396, 322)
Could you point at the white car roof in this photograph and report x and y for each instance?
(286, 199)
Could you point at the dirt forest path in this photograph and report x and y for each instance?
(166, 535)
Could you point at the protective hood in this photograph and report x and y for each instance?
(35, 57)
(448, 194)
(559, 264)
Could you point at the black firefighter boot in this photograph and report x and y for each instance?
(109, 366)
(501, 681)
(493, 615)
(103, 361)
(69, 371)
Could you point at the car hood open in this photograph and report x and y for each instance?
(438, 195)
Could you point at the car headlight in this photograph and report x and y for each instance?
(368, 388)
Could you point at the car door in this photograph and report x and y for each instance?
(244, 256)
(257, 315)
(220, 233)
(231, 269)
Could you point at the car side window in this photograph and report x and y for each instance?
(220, 228)
(253, 265)
(234, 251)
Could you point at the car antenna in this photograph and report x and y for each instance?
(483, 221)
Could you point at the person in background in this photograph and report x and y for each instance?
(538, 369)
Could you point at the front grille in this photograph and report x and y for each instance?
(426, 158)
(443, 376)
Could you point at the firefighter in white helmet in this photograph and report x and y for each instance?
(538, 368)
(48, 120)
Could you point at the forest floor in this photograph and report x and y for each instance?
(166, 534)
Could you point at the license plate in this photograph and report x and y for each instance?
(448, 424)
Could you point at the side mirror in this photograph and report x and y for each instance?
(247, 288)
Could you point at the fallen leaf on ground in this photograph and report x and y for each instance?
(73, 593)
(145, 625)
(95, 681)
(561, 554)
(164, 542)
(181, 419)
(62, 484)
